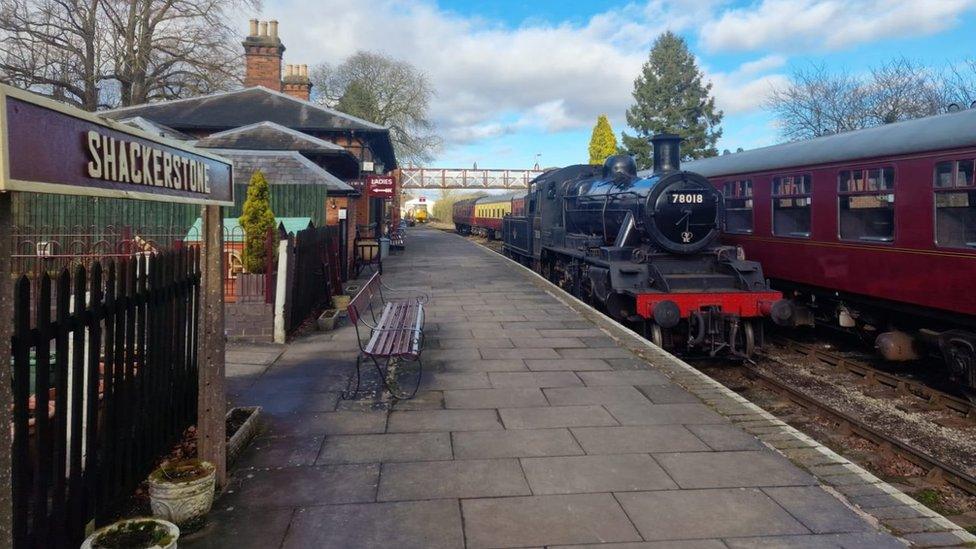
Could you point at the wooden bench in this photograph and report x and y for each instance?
(390, 333)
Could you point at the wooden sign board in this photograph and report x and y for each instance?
(380, 186)
(49, 147)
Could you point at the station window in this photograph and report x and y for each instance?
(738, 206)
(955, 204)
(791, 205)
(866, 202)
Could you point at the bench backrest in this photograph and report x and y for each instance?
(363, 299)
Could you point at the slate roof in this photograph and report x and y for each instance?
(932, 133)
(155, 128)
(247, 106)
(281, 167)
(269, 136)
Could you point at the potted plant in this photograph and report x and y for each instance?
(327, 320)
(182, 491)
(135, 533)
(341, 301)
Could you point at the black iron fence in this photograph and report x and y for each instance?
(105, 381)
(316, 273)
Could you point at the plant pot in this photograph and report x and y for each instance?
(327, 320)
(351, 289)
(341, 301)
(182, 491)
(130, 533)
(239, 439)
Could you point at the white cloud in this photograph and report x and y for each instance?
(493, 80)
(798, 25)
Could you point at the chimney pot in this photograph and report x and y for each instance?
(253, 28)
(264, 28)
(274, 28)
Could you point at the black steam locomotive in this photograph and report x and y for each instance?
(645, 251)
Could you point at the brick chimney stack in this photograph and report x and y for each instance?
(296, 82)
(262, 55)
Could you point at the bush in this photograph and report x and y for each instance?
(256, 219)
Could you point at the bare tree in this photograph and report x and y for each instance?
(817, 102)
(385, 91)
(958, 83)
(96, 53)
(902, 89)
(53, 47)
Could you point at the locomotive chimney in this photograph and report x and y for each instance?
(667, 152)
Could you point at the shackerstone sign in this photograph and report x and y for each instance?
(49, 147)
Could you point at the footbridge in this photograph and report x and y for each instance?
(450, 178)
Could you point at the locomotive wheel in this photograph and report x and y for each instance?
(655, 334)
(745, 340)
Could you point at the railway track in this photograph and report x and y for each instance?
(935, 469)
(933, 398)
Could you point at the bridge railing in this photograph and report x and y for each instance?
(447, 178)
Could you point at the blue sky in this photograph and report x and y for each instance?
(519, 78)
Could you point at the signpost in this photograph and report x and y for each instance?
(48, 147)
(380, 186)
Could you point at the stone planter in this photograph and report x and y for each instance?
(240, 438)
(341, 301)
(351, 289)
(135, 533)
(327, 321)
(182, 491)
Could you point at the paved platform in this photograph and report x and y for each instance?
(534, 427)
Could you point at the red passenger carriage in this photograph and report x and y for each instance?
(872, 230)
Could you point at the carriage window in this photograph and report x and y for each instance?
(867, 204)
(791, 206)
(955, 204)
(738, 206)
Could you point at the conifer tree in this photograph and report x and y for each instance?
(670, 97)
(255, 220)
(603, 142)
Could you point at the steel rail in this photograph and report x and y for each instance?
(935, 469)
(934, 397)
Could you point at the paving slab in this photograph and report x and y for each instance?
(515, 443)
(545, 520)
(299, 486)
(732, 469)
(243, 528)
(555, 416)
(385, 448)
(631, 377)
(626, 440)
(514, 397)
(443, 420)
(332, 423)
(590, 474)
(572, 396)
(647, 413)
(534, 379)
(685, 514)
(567, 364)
(404, 525)
(466, 478)
(817, 510)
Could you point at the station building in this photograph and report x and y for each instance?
(316, 159)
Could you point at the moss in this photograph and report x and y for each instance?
(134, 535)
(181, 471)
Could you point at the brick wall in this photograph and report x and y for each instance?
(249, 322)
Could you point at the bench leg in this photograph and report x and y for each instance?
(391, 384)
(346, 395)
